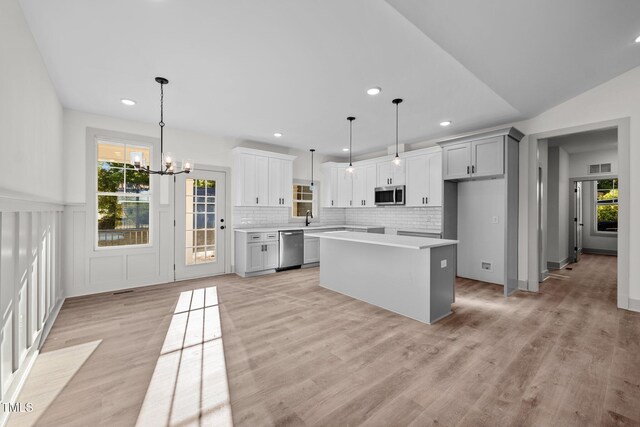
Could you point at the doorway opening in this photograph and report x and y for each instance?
(578, 210)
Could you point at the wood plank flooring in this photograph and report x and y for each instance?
(298, 354)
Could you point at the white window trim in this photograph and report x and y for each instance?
(92, 183)
(594, 206)
(314, 200)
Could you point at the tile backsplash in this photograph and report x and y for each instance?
(398, 217)
(393, 217)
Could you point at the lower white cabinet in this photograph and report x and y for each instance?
(262, 256)
(255, 252)
(311, 249)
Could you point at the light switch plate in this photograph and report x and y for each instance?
(443, 263)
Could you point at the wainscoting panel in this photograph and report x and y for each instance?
(29, 284)
(106, 269)
(142, 267)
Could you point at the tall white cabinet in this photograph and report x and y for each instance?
(424, 179)
(480, 205)
(262, 178)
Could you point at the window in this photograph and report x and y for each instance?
(606, 206)
(303, 200)
(123, 195)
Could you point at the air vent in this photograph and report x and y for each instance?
(486, 266)
(599, 168)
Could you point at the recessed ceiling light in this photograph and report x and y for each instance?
(277, 134)
(345, 149)
(637, 39)
(445, 123)
(128, 102)
(374, 91)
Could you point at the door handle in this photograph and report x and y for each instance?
(222, 227)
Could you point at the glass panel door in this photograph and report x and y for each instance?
(200, 209)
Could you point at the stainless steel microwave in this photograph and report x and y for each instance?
(391, 195)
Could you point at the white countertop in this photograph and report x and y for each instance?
(406, 242)
(312, 227)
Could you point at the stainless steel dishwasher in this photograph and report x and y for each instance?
(291, 253)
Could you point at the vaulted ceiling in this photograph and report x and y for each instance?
(249, 68)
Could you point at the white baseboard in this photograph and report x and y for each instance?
(634, 304)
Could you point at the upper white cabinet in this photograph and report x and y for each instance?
(364, 186)
(344, 188)
(474, 159)
(280, 182)
(420, 171)
(391, 174)
(329, 186)
(424, 180)
(262, 178)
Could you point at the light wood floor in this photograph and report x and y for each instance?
(297, 354)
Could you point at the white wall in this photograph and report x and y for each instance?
(31, 188)
(558, 206)
(579, 162)
(30, 114)
(613, 100)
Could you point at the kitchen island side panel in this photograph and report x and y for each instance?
(396, 279)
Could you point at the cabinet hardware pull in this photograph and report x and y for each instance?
(473, 169)
(423, 200)
(426, 200)
(256, 200)
(467, 170)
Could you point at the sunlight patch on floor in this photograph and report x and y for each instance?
(50, 374)
(189, 386)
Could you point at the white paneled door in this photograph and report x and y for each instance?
(200, 227)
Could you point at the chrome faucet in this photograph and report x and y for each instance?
(306, 218)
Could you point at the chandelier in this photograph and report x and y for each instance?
(168, 163)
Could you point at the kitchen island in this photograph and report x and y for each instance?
(411, 276)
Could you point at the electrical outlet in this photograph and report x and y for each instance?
(443, 263)
(494, 220)
(486, 266)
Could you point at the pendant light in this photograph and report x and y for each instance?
(168, 164)
(396, 159)
(312, 186)
(351, 119)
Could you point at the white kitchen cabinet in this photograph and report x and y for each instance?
(311, 250)
(253, 178)
(424, 180)
(390, 173)
(255, 257)
(280, 182)
(364, 185)
(262, 178)
(487, 157)
(255, 252)
(344, 188)
(457, 161)
(270, 255)
(474, 159)
(330, 187)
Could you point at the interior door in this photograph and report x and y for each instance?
(578, 221)
(200, 224)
